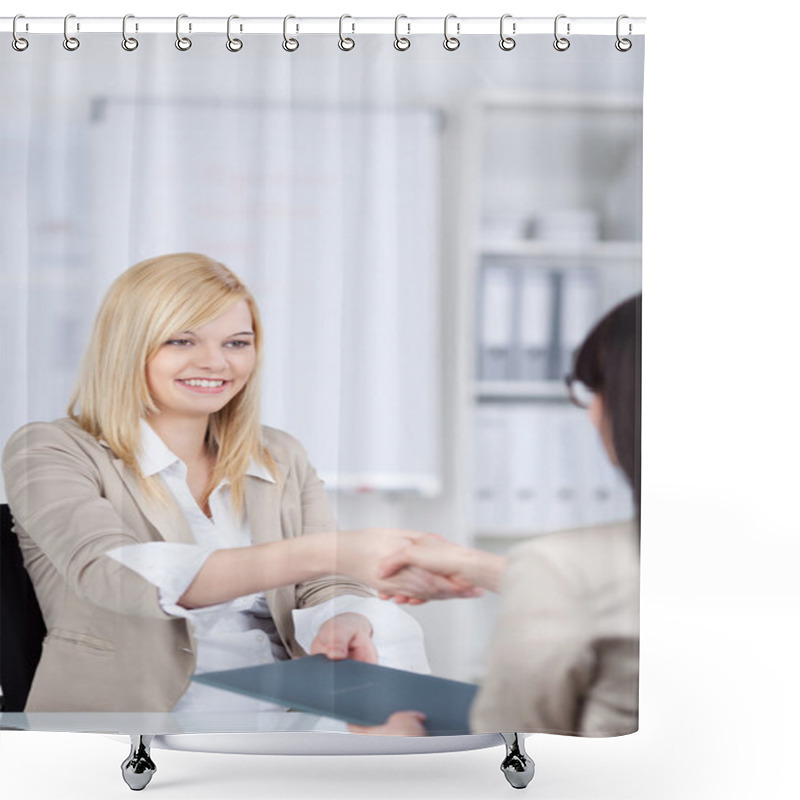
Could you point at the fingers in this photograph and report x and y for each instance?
(346, 635)
(331, 648)
(434, 554)
(394, 563)
(362, 648)
(401, 723)
(449, 585)
(412, 555)
(414, 585)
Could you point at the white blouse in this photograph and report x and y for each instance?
(241, 632)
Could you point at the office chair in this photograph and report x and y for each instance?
(22, 628)
(22, 631)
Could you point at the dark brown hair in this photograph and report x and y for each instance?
(609, 362)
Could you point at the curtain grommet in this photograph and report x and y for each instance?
(561, 43)
(401, 43)
(507, 42)
(129, 43)
(233, 44)
(451, 43)
(346, 43)
(71, 43)
(183, 43)
(289, 44)
(19, 43)
(623, 45)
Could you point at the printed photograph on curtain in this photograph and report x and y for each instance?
(321, 385)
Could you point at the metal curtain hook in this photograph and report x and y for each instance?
(561, 43)
(234, 45)
(18, 43)
(623, 45)
(451, 42)
(507, 42)
(129, 43)
(401, 42)
(70, 42)
(346, 43)
(289, 45)
(182, 42)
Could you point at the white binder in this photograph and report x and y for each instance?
(490, 463)
(579, 312)
(563, 458)
(536, 324)
(527, 468)
(497, 323)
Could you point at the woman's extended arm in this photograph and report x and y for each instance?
(235, 572)
(239, 571)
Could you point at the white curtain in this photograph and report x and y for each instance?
(362, 196)
(326, 208)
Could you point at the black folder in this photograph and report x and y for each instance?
(364, 694)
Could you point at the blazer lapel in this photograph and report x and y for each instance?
(262, 502)
(165, 517)
(263, 508)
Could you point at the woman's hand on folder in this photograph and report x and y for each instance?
(463, 566)
(347, 635)
(360, 553)
(401, 723)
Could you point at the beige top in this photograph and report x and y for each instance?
(565, 654)
(109, 644)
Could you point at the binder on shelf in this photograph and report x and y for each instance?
(491, 469)
(579, 309)
(527, 471)
(536, 324)
(542, 467)
(563, 499)
(496, 340)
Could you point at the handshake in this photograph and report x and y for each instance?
(407, 566)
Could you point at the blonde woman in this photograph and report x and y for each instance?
(167, 532)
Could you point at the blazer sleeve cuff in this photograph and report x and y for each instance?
(171, 567)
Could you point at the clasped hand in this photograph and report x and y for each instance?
(461, 566)
(363, 554)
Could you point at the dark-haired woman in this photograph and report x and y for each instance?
(565, 654)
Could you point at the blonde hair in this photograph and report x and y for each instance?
(144, 306)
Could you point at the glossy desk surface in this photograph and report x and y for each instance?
(268, 733)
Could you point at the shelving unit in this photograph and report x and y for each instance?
(522, 156)
(519, 390)
(601, 250)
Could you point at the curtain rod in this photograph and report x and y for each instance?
(405, 26)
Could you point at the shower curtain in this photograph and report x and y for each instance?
(430, 232)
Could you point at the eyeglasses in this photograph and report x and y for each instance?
(579, 393)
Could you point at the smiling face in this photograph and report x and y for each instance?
(196, 373)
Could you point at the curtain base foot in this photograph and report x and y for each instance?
(517, 766)
(138, 768)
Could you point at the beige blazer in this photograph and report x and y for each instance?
(565, 654)
(109, 646)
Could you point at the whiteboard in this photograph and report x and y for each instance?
(331, 215)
